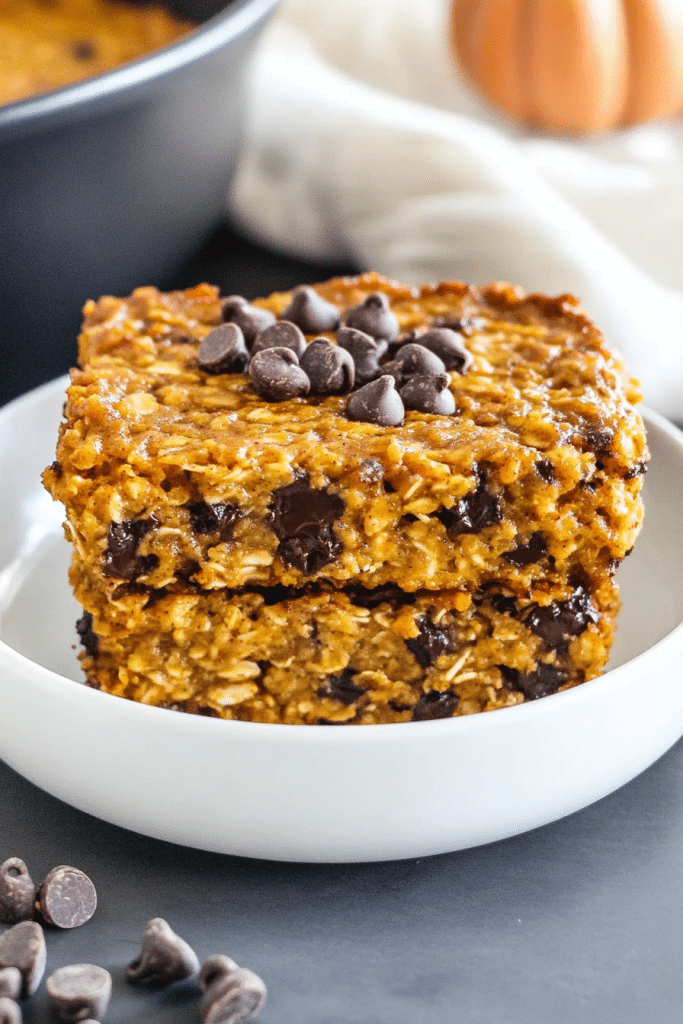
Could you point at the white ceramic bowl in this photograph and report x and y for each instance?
(306, 793)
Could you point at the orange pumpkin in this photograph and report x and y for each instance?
(573, 65)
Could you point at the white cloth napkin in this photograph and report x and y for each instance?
(363, 144)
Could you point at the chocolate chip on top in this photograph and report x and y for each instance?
(374, 316)
(223, 350)
(275, 374)
(250, 319)
(330, 368)
(413, 358)
(310, 312)
(449, 346)
(377, 402)
(281, 334)
(428, 393)
(365, 351)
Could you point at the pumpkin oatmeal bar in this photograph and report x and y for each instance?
(359, 502)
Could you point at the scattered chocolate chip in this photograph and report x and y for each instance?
(474, 512)
(164, 957)
(429, 394)
(215, 969)
(365, 351)
(545, 470)
(526, 553)
(121, 559)
(67, 897)
(374, 316)
(57, 469)
(275, 374)
(598, 439)
(372, 597)
(302, 517)
(214, 518)
(503, 604)
(410, 359)
(281, 334)
(187, 570)
(330, 368)
(10, 1011)
(17, 892)
(79, 991)
(342, 688)
(311, 312)
(250, 319)
(559, 621)
(449, 346)
(397, 706)
(83, 49)
(223, 350)
(377, 402)
(435, 704)
(89, 639)
(11, 982)
(326, 721)
(233, 998)
(23, 947)
(638, 469)
(544, 680)
(430, 643)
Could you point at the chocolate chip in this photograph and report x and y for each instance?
(377, 402)
(435, 704)
(67, 897)
(545, 470)
(598, 439)
(164, 957)
(413, 358)
(235, 999)
(429, 394)
(275, 374)
(526, 553)
(57, 469)
(430, 643)
(544, 680)
(372, 597)
(10, 1011)
(121, 559)
(503, 604)
(638, 469)
(342, 688)
(281, 334)
(474, 512)
(559, 621)
(214, 518)
(216, 969)
(223, 350)
(250, 319)
(302, 517)
(365, 351)
(311, 312)
(83, 49)
(11, 982)
(188, 568)
(79, 991)
(330, 368)
(374, 317)
(449, 346)
(23, 947)
(17, 892)
(89, 639)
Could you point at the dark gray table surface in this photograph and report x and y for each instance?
(578, 922)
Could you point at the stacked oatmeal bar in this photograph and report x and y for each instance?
(359, 502)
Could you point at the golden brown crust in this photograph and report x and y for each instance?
(545, 454)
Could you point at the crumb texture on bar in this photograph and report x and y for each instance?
(283, 561)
